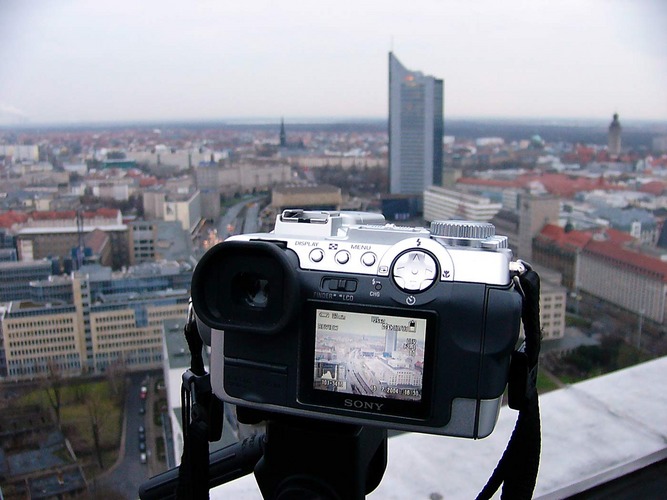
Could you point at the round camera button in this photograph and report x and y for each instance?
(368, 259)
(343, 257)
(317, 255)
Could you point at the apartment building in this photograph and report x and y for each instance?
(242, 177)
(553, 298)
(624, 277)
(40, 340)
(534, 212)
(84, 322)
(158, 240)
(132, 334)
(184, 207)
(606, 264)
(559, 249)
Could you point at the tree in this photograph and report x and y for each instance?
(53, 386)
(96, 416)
(115, 374)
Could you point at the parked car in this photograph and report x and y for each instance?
(142, 457)
(143, 392)
(142, 446)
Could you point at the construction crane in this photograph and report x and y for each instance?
(79, 231)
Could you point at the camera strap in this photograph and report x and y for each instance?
(201, 414)
(518, 467)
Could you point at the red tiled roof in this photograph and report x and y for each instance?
(52, 215)
(8, 219)
(580, 239)
(616, 237)
(561, 238)
(655, 188)
(558, 184)
(641, 262)
(490, 182)
(107, 212)
(71, 214)
(147, 181)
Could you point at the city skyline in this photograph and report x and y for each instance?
(75, 62)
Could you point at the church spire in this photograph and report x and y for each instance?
(283, 136)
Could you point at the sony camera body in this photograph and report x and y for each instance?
(340, 316)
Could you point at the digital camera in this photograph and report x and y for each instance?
(341, 316)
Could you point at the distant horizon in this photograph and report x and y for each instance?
(326, 120)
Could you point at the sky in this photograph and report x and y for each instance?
(73, 61)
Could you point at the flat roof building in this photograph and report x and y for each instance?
(634, 281)
(443, 204)
(323, 197)
(15, 278)
(84, 322)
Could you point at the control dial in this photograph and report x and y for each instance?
(414, 271)
(462, 233)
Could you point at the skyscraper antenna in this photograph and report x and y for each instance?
(391, 43)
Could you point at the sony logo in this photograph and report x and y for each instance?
(363, 405)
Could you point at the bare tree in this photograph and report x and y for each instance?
(96, 415)
(53, 387)
(115, 374)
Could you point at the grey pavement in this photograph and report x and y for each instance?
(129, 473)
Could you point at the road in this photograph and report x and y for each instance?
(129, 473)
(240, 218)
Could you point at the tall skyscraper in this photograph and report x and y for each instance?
(614, 138)
(415, 129)
(390, 343)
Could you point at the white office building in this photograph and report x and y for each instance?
(443, 204)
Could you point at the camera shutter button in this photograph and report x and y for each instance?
(316, 255)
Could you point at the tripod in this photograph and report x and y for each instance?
(297, 458)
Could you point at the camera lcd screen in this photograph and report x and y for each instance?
(369, 354)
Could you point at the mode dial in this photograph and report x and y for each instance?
(462, 232)
(462, 229)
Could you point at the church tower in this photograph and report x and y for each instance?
(614, 138)
(283, 136)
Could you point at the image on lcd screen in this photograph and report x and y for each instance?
(369, 354)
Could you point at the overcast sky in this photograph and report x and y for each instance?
(135, 60)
